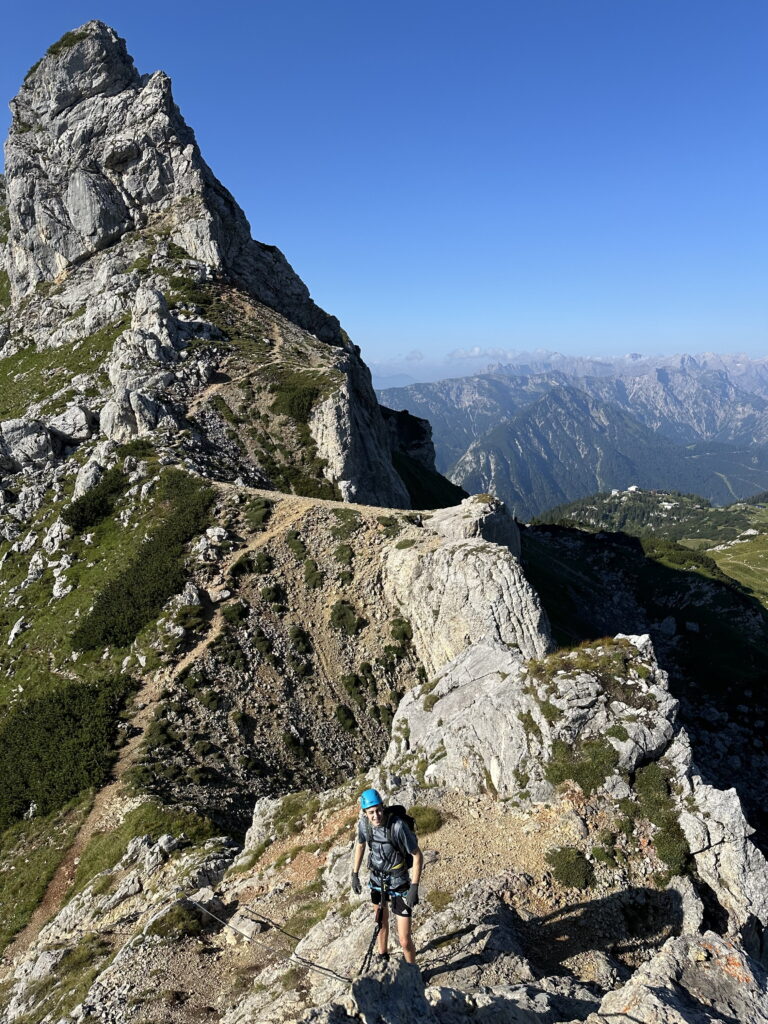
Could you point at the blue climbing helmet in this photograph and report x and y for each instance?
(370, 798)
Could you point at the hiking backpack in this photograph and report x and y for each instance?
(393, 812)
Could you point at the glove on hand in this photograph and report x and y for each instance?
(413, 895)
(356, 887)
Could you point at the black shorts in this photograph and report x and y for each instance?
(396, 899)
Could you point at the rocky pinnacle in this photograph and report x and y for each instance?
(97, 150)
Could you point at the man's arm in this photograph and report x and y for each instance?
(357, 856)
(418, 864)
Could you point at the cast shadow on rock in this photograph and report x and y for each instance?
(503, 946)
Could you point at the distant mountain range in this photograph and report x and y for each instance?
(550, 428)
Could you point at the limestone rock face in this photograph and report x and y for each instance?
(350, 435)
(467, 590)
(727, 860)
(478, 516)
(97, 150)
(111, 208)
(410, 435)
(691, 979)
(75, 424)
(496, 729)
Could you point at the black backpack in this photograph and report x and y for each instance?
(390, 814)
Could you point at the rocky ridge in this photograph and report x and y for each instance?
(543, 433)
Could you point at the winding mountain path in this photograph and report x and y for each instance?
(288, 510)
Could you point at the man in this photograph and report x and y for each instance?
(391, 843)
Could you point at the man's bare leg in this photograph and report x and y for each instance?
(405, 938)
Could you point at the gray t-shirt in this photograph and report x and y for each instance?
(388, 850)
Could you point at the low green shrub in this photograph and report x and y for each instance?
(296, 392)
(313, 577)
(5, 290)
(390, 526)
(588, 764)
(134, 598)
(300, 639)
(656, 804)
(618, 732)
(138, 448)
(346, 718)
(98, 503)
(263, 563)
(190, 617)
(257, 513)
(550, 711)
(56, 746)
(426, 819)
(235, 613)
(345, 618)
(296, 545)
(570, 867)
(273, 594)
(400, 630)
(182, 920)
(67, 41)
(343, 554)
(354, 687)
(244, 566)
(348, 522)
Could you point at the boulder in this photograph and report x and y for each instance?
(76, 424)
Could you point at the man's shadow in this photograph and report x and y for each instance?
(621, 925)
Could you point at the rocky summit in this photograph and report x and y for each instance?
(235, 592)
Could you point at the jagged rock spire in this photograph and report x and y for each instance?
(97, 150)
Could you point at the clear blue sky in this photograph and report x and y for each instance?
(581, 175)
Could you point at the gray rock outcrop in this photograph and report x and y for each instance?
(349, 432)
(465, 589)
(692, 980)
(498, 724)
(24, 443)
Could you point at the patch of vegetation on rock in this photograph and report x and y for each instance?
(93, 506)
(32, 375)
(426, 819)
(345, 618)
(588, 763)
(151, 819)
(655, 803)
(134, 598)
(570, 867)
(347, 523)
(181, 921)
(257, 512)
